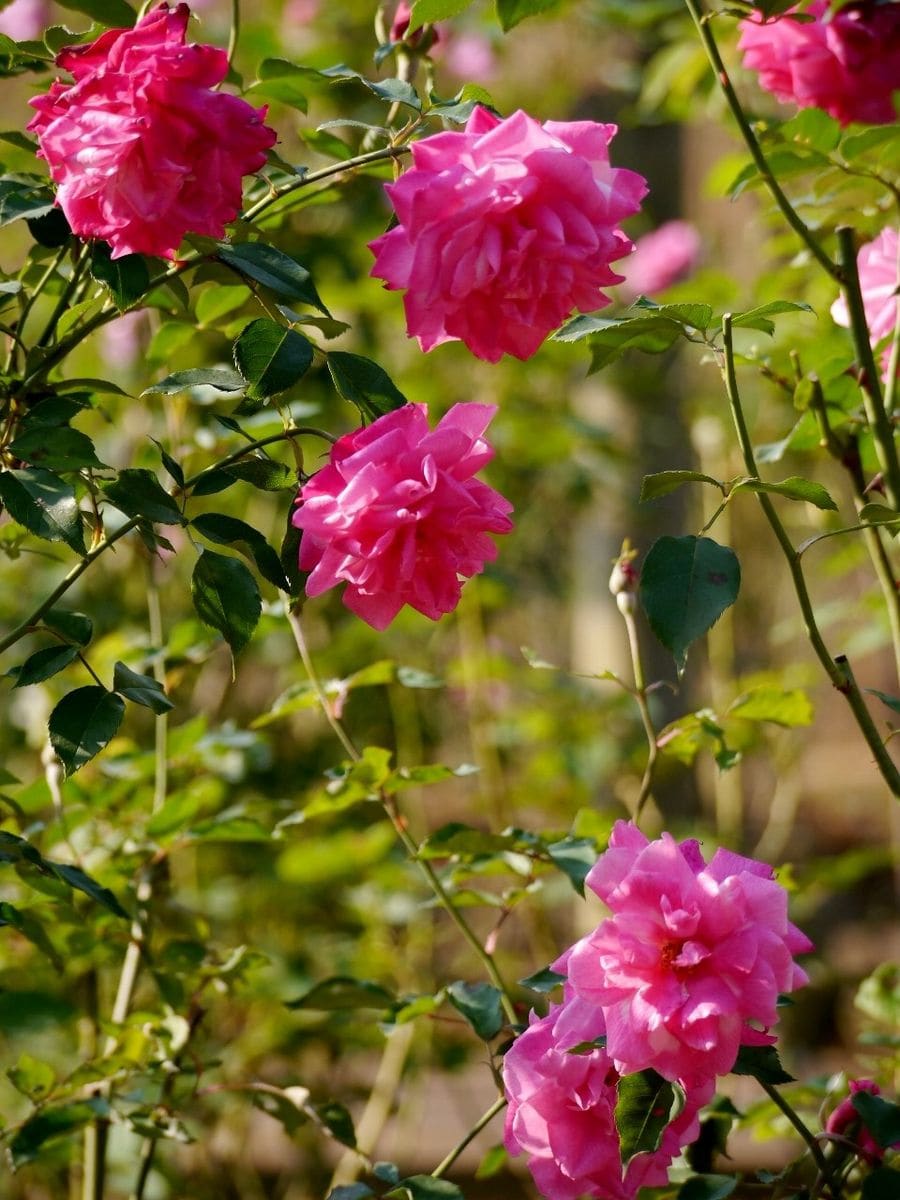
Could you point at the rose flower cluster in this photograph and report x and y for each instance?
(687, 968)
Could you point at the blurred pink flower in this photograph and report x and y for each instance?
(845, 62)
(470, 56)
(141, 146)
(24, 20)
(123, 341)
(561, 1111)
(504, 229)
(692, 954)
(878, 263)
(846, 1122)
(398, 515)
(661, 258)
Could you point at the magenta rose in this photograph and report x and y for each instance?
(878, 264)
(504, 229)
(691, 963)
(398, 516)
(142, 147)
(845, 62)
(561, 1111)
(846, 1122)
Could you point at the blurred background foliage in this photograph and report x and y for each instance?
(255, 900)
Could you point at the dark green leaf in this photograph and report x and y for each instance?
(74, 626)
(881, 1117)
(138, 493)
(763, 1063)
(793, 488)
(426, 1187)
(170, 464)
(893, 702)
(511, 12)
(229, 531)
(276, 271)
(543, 981)
(127, 277)
(480, 1004)
(107, 12)
(609, 337)
(707, 1187)
(337, 1121)
(53, 1122)
(58, 448)
(82, 723)
(271, 358)
(141, 689)
(574, 857)
(43, 664)
(350, 1191)
(644, 1106)
(221, 378)
(882, 1184)
(364, 384)
(23, 199)
(30, 927)
(76, 878)
(664, 482)
(262, 473)
(686, 585)
(342, 992)
(226, 597)
(44, 504)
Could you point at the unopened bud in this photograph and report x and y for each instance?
(625, 575)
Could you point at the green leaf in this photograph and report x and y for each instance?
(82, 723)
(280, 80)
(226, 597)
(26, 199)
(707, 1187)
(50, 1123)
(793, 488)
(480, 1004)
(643, 1109)
(782, 706)
(879, 514)
(127, 278)
(229, 531)
(426, 12)
(274, 270)
(138, 493)
(663, 482)
(763, 1063)
(342, 992)
(881, 1117)
(882, 1184)
(686, 585)
(262, 473)
(44, 504)
(492, 1163)
(337, 1121)
(30, 927)
(460, 840)
(14, 849)
(758, 318)
(58, 449)
(511, 12)
(364, 384)
(73, 626)
(44, 664)
(574, 857)
(107, 12)
(893, 702)
(140, 689)
(426, 1187)
(543, 981)
(609, 337)
(177, 812)
(350, 1191)
(271, 358)
(32, 1077)
(221, 378)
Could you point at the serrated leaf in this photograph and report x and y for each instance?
(82, 723)
(141, 689)
(58, 449)
(24, 199)
(44, 664)
(480, 1004)
(364, 384)
(643, 1109)
(879, 514)
(263, 473)
(686, 585)
(342, 992)
(229, 531)
(758, 318)
(763, 1063)
(274, 270)
(221, 378)
(138, 493)
(127, 278)
(280, 80)
(44, 504)
(663, 482)
(782, 706)
(793, 488)
(107, 12)
(226, 597)
(271, 357)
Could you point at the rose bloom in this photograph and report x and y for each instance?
(561, 1111)
(693, 953)
(504, 229)
(141, 146)
(25, 19)
(846, 1122)
(845, 62)
(398, 516)
(878, 264)
(659, 259)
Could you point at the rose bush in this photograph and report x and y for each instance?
(504, 229)
(397, 515)
(142, 147)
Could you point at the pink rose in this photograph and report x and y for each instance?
(397, 514)
(400, 24)
(661, 258)
(141, 146)
(845, 62)
(24, 20)
(846, 1122)
(561, 1112)
(504, 229)
(878, 263)
(693, 958)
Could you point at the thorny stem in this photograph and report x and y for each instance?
(398, 821)
(485, 1119)
(837, 670)
(788, 211)
(814, 1148)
